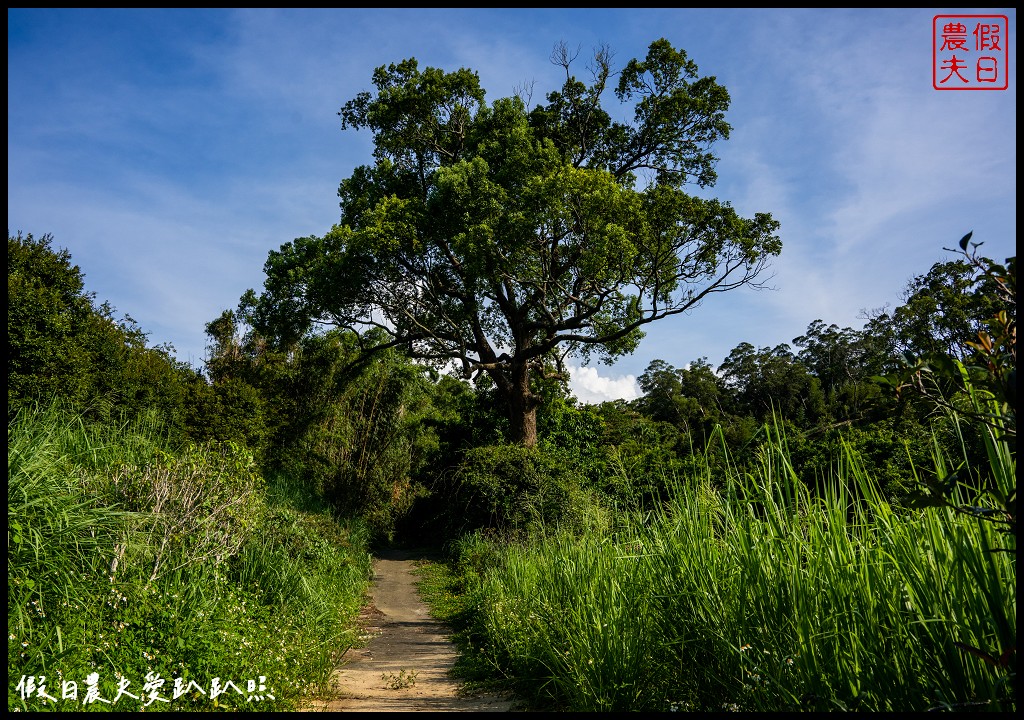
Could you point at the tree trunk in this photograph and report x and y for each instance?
(522, 408)
(524, 425)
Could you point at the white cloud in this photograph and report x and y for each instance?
(590, 387)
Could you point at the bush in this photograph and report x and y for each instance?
(511, 487)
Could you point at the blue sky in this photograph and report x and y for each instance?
(170, 150)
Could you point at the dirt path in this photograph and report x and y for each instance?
(406, 643)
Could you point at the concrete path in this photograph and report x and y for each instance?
(405, 665)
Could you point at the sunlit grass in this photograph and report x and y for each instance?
(233, 578)
(752, 592)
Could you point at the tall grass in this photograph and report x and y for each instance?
(754, 592)
(133, 560)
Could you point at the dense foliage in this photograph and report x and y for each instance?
(383, 437)
(60, 343)
(750, 594)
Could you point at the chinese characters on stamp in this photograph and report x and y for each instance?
(970, 52)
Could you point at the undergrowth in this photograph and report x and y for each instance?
(141, 576)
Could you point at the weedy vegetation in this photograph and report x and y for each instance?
(128, 561)
(754, 592)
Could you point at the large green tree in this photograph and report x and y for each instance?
(504, 239)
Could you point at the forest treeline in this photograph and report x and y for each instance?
(429, 456)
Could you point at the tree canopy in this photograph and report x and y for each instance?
(504, 239)
(62, 344)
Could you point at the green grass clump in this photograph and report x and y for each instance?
(753, 592)
(132, 562)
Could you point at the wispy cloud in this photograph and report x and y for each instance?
(886, 170)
